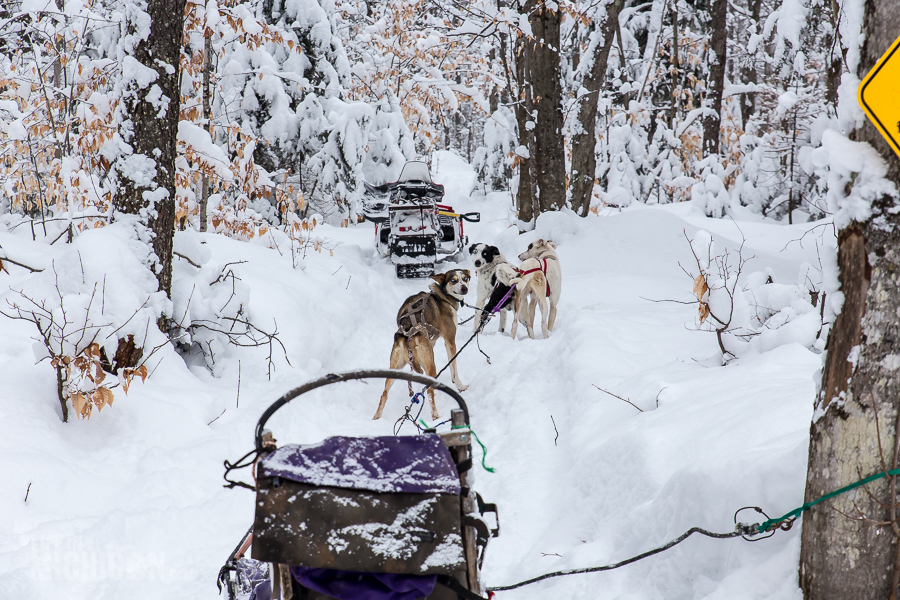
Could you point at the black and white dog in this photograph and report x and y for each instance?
(494, 274)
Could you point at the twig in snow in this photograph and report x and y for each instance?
(554, 429)
(348, 282)
(675, 301)
(27, 492)
(248, 336)
(237, 402)
(9, 260)
(657, 396)
(620, 398)
(64, 231)
(338, 269)
(550, 554)
(217, 418)
(180, 255)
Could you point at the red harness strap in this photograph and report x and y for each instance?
(542, 269)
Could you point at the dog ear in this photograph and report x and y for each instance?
(492, 252)
(439, 277)
(551, 244)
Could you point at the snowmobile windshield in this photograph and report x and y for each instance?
(415, 171)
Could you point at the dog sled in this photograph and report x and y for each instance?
(362, 518)
(412, 227)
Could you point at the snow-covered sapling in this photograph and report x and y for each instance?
(74, 345)
(720, 303)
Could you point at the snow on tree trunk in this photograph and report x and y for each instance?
(855, 554)
(526, 194)
(584, 157)
(541, 125)
(151, 102)
(718, 50)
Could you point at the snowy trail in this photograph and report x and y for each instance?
(130, 503)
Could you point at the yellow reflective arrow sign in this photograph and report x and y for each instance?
(879, 95)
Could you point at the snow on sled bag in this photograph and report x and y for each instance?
(377, 505)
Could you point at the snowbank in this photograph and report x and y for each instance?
(130, 503)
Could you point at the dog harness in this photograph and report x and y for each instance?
(411, 321)
(542, 269)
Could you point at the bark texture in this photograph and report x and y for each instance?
(748, 100)
(584, 157)
(541, 120)
(151, 130)
(526, 195)
(207, 117)
(717, 58)
(855, 554)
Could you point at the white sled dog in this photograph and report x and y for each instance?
(539, 280)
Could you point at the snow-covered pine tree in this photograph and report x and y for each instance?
(493, 160)
(390, 143)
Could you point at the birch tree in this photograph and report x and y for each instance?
(849, 544)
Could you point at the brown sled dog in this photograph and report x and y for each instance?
(422, 320)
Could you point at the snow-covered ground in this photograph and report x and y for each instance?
(130, 504)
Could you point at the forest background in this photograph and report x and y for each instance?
(286, 107)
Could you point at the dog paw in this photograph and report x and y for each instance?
(461, 387)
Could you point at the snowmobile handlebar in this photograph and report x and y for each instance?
(366, 374)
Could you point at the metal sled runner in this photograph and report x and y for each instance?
(362, 518)
(411, 226)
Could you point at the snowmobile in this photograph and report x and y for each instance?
(412, 227)
(381, 518)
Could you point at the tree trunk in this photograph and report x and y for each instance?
(525, 194)
(718, 47)
(549, 166)
(856, 556)
(748, 100)
(584, 157)
(541, 118)
(207, 118)
(152, 110)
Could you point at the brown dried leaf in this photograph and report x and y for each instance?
(99, 375)
(700, 287)
(703, 309)
(79, 402)
(102, 396)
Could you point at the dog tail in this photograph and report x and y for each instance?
(540, 280)
(521, 282)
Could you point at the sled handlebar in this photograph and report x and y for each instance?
(366, 374)
(472, 217)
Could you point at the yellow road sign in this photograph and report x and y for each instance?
(879, 95)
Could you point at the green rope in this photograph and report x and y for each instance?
(483, 448)
(765, 525)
